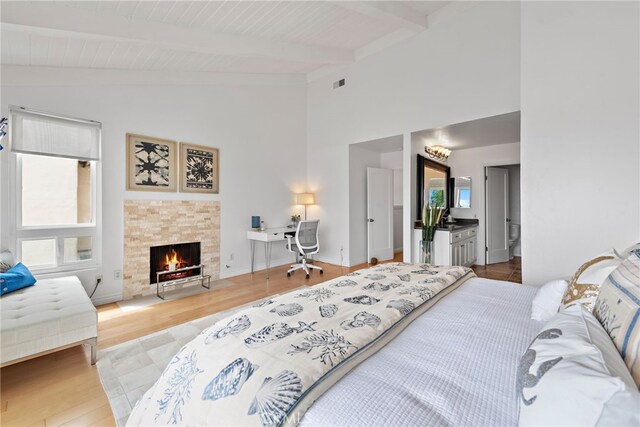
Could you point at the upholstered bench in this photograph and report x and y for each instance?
(52, 315)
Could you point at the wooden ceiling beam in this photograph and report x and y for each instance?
(48, 18)
(392, 12)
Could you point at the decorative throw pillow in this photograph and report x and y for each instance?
(573, 375)
(6, 261)
(624, 254)
(17, 277)
(547, 300)
(618, 310)
(585, 284)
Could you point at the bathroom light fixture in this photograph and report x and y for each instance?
(437, 152)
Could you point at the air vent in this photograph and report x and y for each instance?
(339, 83)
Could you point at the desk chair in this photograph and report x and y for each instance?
(306, 243)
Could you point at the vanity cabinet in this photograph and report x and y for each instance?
(451, 247)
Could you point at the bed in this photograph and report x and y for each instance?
(453, 362)
(454, 365)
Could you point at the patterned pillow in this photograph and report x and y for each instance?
(6, 261)
(572, 374)
(585, 283)
(618, 310)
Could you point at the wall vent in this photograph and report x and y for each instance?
(339, 83)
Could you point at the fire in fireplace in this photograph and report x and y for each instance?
(176, 259)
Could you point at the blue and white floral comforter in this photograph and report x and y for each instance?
(266, 365)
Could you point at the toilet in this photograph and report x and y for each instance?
(514, 236)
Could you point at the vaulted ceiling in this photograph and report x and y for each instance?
(273, 37)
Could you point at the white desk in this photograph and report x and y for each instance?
(268, 236)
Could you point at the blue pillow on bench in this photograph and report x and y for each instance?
(15, 278)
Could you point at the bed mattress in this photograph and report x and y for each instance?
(454, 365)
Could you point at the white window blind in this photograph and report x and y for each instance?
(40, 133)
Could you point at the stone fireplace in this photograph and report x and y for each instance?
(155, 223)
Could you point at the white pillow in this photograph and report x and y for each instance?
(572, 374)
(547, 300)
(625, 254)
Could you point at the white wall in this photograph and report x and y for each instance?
(471, 162)
(259, 128)
(580, 133)
(514, 202)
(462, 68)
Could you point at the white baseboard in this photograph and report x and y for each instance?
(244, 269)
(106, 299)
(328, 259)
(225, 273)
(357, 262)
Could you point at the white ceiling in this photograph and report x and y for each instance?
(275, 37)
(500, 129)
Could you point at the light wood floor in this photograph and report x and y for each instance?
(64, 389)
(510, 271)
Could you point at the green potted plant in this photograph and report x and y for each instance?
(295, 219)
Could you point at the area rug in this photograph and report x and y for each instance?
(129, 369)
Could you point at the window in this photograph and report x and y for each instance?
(55, 197)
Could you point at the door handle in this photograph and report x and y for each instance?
(370, 220)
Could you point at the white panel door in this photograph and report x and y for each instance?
(380, 213)
(497, 214)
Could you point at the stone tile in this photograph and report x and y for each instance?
(150, 223)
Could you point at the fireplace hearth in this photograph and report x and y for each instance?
(175, 260)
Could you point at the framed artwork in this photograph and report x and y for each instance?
(151, 164)
(200, 169)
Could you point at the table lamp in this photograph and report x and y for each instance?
(305, 199)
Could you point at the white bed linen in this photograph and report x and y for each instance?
(454, 365)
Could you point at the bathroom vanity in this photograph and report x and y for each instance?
(452, 245)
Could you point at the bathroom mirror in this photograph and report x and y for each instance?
(432, 184)
(462, 192)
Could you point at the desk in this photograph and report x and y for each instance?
(268, 236)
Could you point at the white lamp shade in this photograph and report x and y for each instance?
(305, 199)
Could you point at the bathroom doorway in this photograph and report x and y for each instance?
(502, 216)
(375, 200)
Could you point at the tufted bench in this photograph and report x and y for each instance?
(52, 315)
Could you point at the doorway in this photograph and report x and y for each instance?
(502, 215)
(375, 193)
(380, 230)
